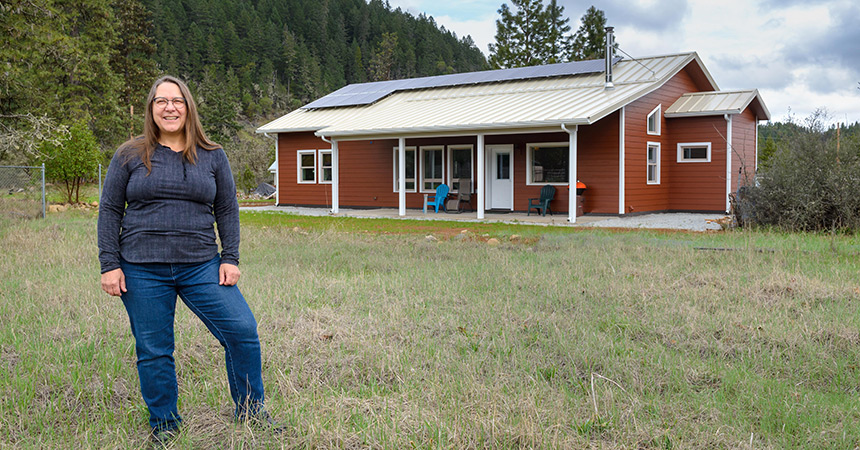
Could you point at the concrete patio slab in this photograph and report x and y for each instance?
(674, 221)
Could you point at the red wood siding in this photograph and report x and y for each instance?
(743, 148)
(640, 196)
(598, 164)
(697, 186)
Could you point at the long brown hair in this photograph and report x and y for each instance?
(145, 144)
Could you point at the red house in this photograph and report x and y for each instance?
(645, 135)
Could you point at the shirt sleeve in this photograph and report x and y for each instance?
(226, 208)
(111, 211)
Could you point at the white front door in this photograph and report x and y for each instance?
(500, 167)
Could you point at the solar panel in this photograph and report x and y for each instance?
(367, 93)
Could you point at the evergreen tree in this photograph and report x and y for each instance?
(589, 42)
(133, 61)
(557, 37)
(383, 60)
(520, 35)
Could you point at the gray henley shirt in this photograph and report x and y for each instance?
(168, 216)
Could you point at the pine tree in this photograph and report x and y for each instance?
(518, 35)
(383, 60)
(557, 37)
(530, 34)
(589, 42)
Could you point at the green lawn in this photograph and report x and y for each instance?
(376, 337)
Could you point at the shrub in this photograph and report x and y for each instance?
(810, 182)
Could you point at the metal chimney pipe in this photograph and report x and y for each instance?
(610, 48)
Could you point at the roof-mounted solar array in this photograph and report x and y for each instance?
(367, 93)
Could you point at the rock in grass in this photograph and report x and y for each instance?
(515, 237)
(493, 242)
(430, 238)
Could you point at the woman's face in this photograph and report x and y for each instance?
(169, 108)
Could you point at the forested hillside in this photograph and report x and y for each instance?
(275, 55)
(91, 62)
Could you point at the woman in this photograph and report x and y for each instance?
(163, 192)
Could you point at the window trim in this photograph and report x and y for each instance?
(299, 166)
(683, 145)
(422, 150)
(656, 163)
(658, 112)
(321, 169)
(530, 160)
(450, 178)
(414, 169)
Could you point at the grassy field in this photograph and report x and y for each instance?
(375, 336)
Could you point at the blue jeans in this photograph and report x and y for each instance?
(150, 301)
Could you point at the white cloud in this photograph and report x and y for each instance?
(800, 54)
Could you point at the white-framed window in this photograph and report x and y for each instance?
(547, 163)
(411, 169)
(654, 121)
(460, 163)
(432, 174)
(694, 152)
(325, 167)
(653, 163)
(306, 164)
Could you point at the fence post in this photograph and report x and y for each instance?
(100, 182)
(44, 194)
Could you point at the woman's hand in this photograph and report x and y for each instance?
(228, 275)
(113, 282)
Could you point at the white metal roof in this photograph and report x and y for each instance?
(718, 103)
(501, 106)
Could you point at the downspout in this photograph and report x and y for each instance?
(571, 156)
(621, 160)
(277, 169)
(335, 177)
(728, 118)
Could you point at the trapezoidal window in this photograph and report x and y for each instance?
(654, 121)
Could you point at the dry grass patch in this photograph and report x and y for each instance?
(381, 339)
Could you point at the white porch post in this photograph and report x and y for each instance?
(401, 171)
(335, 177)
(481, 182)
(728, 160)
(571, 198)
(621, 168)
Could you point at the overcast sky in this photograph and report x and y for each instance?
(800, 55)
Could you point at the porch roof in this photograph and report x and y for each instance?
(497, 107)
(718, 103)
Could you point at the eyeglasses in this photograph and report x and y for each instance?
(161, 102)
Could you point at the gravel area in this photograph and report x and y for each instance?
(671, 221)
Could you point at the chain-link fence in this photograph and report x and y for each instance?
(22, 191)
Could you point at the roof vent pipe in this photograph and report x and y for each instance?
(610, 47)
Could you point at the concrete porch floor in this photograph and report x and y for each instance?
(677, 221)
